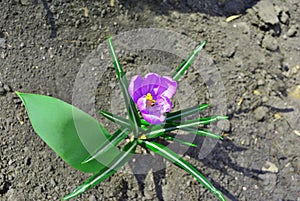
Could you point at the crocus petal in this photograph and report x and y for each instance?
(161, 90)
(156, 118)
(134, 87)
(164, 103)
(141, 103)
(151, 80)
(171, 85)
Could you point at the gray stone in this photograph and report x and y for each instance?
(270, 43)
(2, 43)
(266, 12)
(2, 91)
(7, 88)
(25, 2)
(229, 52)
(284, 18)
(260, 113)
(270, 167)
(260, 82)
(224, 125)
(292, 31)
(92, 198)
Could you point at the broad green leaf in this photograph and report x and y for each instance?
(187, 62)
(130, 106)
(109, 145)
(186, 112)
(105, 172)
(177, 160)
(69, 131)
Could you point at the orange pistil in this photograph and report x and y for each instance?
(149, 100)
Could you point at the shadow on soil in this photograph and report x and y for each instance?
(220, 157)
(210, 7)
(50, 17)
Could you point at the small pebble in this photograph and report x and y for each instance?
(2, 91)
(270, 167)
(265, 99)
(229, 52)
(270, 43)
(92, 198)
(2, 43)
(284, 18)
(260, 82)
(25, 2)
(224, 125)
(52, 182)
(292, 31)
(175, 15)
(266, 12)
(260, 113)
(7, 88)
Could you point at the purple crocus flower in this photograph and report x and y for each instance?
(152, 95)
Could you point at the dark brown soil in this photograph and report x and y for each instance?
(43, 45)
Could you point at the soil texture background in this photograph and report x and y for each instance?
(43, 44)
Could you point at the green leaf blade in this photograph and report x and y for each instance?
(187, 62)
(109, 145)
(116, 119)
(105, 172)
(158, 130)
(205, 120)
(66, 129)
(130, 106)
(171, 138)
(186, 112)
(201, 132)
(177, 160)
(119, 70)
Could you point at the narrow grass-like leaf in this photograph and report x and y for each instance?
(204, 120)
(171, 138)
(131, 109)
(198, 121)
(130, 106)
(158, 130)
(186, 112)
(177, 160)
(201, 132)
(145, 123)
(116, 119)
(105, 172)
(187, 62)
(119, 70)
(109, 145)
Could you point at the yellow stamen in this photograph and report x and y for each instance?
(149, 100)
(143, 137)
